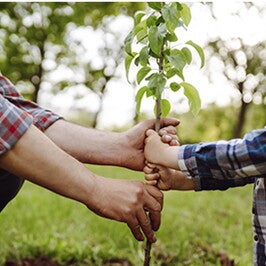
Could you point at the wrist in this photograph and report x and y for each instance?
(170, 157)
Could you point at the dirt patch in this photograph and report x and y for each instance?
(117, 262)
(46, 261)
(41, 261)
(222, 257)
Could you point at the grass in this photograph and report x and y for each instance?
(196, 228)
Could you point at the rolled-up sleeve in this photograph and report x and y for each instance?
(17, 114)
(42, 118)
(14, 122)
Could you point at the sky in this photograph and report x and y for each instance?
(119, 102)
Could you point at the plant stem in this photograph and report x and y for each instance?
(147, 253)
(158, 113)
(157, 128)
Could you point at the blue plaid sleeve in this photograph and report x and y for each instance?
(224, 164)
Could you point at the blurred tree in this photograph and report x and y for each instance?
(245, 68)
(32, 33)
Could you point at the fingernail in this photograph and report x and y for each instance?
(167, 137)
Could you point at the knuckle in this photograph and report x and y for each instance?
(146, 224)
(157, 207)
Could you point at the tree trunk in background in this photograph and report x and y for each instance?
(37, 78)
(94, 123)
(240, 120)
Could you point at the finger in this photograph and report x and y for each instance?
(150, 177)
(147, 170)
(154, 205)
(167, 138)
(157, 198)
(152, 182)
(146, 227)
(151, 165)
(155, 218)
(167, 121)
(135, 229)
(174, 142)
(167, 130)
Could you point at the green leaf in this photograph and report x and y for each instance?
(128, 61)
(199, 50)
(151, 21)
(139, 97)
(140, 31)
(171, 17)
(157, 83)
(185, 14)
(156, 36)
(180, 74)
(155, 5)
(144, 56)
(136, 61)
(128, 42)
(193, 97)
(177, 59)
(142, 73)
(175, 86)
(138, 16)
(173, 71)
(156, 41)
(171, 37)
(170, 73)
(165, 107)
(186, 52)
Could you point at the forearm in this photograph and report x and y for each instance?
(37, 159)
(85, 144)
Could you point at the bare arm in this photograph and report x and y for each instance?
(89, 145)
(36, 158)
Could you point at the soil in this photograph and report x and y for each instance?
(41, 261)
(46, 261)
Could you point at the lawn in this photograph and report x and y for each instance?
(197, 228)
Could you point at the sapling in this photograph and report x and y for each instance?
(160, 58)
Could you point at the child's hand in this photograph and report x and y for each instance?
(158, 176)
(157, 152)
(166, 178)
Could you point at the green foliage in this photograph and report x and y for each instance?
(32, 32)
(150, 45)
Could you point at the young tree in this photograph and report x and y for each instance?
(153, 47)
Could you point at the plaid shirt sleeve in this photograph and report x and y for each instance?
(224, 164)
(17, 114)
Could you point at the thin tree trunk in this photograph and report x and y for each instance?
(240, 120)
(37, 79)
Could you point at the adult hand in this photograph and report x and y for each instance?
(128, 201)
(132, 152)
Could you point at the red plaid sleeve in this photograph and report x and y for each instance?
(17, 114)
(13, 124)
